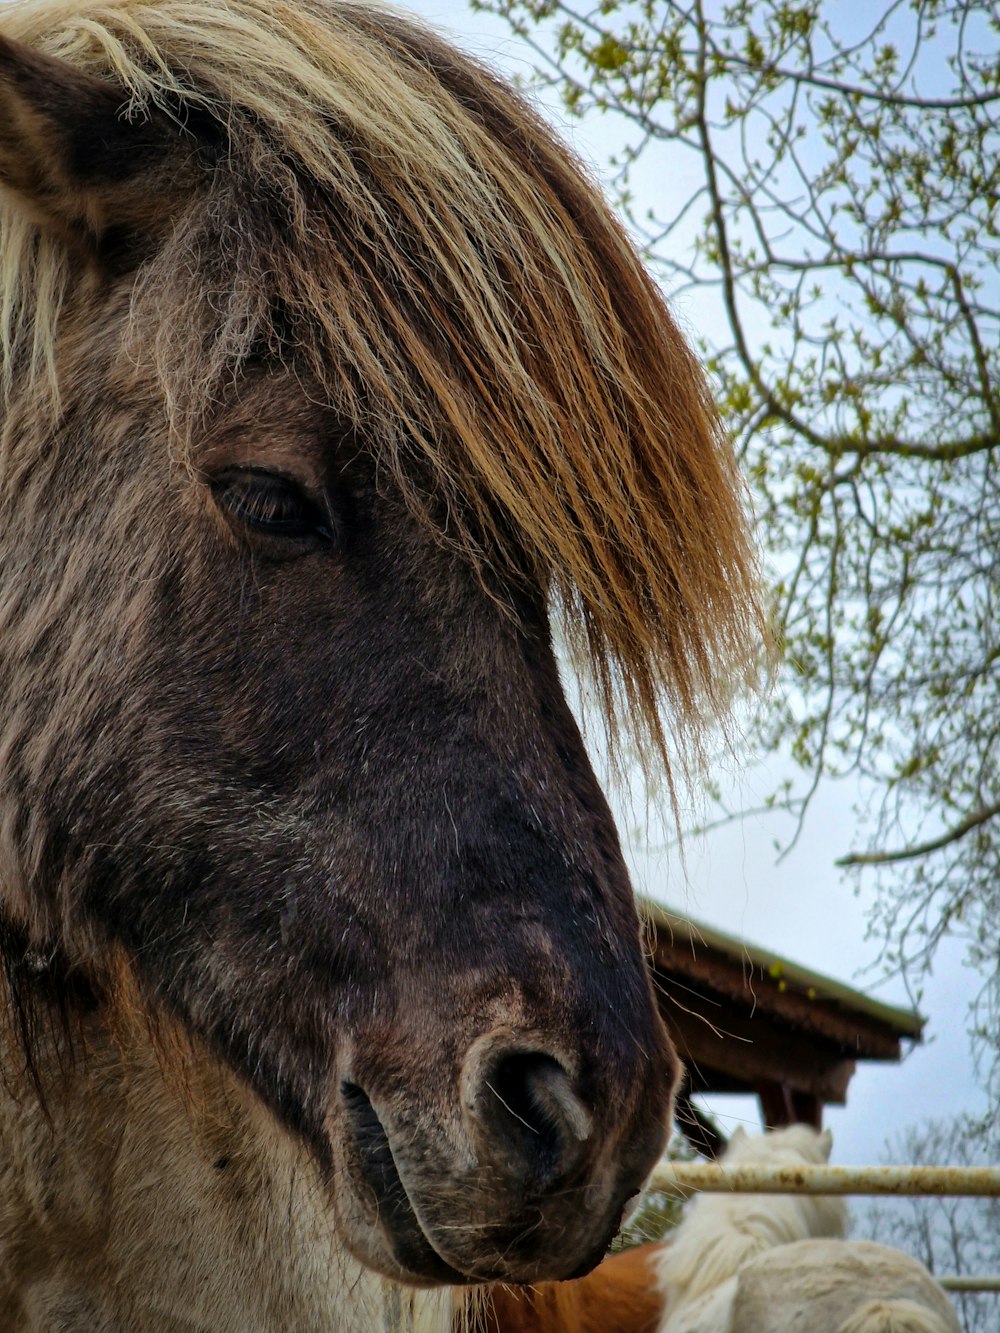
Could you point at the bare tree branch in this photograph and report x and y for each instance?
(922, 848)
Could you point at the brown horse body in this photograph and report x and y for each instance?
(326, 377)
(622, 1295)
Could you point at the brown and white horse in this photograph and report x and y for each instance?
(327, 377)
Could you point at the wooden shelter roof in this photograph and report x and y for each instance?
(744, 1019)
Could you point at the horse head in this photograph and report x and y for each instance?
(327, 380)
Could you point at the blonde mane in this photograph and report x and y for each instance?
(389, 217)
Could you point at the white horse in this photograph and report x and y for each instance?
(754, 1263)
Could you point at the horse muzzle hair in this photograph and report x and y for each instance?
(523, 1178)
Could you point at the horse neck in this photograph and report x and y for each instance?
(161, 1197)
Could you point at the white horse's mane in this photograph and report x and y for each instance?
(721, 1232)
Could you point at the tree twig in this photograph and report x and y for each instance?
(922, 848)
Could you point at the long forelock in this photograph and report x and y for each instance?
(391, 217)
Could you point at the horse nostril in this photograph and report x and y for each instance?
(536, 1090)
(523, 1111)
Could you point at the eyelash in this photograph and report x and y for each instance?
(273, 505)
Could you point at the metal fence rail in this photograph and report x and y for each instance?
(767, 1178)
(990, 1282)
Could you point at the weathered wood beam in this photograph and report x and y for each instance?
(728, 1049)
(700, 1130)
(782, 1105)
(740, 982)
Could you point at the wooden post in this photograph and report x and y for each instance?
(699, 1129)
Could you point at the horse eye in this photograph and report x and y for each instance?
(271, 504)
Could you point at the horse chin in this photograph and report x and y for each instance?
(403, 1254)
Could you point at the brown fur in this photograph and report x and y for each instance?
(327, 376)
(621, 1295)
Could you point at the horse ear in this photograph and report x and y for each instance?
(72, 156)
(738, 1136)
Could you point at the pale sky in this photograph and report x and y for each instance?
(803, 907)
